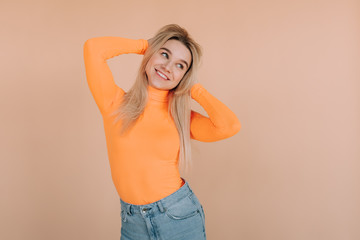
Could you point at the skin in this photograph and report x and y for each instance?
(171, 63)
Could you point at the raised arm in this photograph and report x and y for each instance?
(99, 77)
(222, 122)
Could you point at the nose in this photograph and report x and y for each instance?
(167, 66)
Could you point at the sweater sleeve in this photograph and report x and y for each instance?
(99, 77)
(222, 122)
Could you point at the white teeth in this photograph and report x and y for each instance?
(162, 75)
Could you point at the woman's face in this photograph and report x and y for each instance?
(168, 65)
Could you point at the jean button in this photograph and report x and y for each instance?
(145, 209)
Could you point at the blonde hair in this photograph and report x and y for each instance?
(135, 100)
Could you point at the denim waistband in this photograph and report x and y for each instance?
(161, 204)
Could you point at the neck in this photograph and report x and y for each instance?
(158, 95)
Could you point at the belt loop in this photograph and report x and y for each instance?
(128, 209)
(161, 207)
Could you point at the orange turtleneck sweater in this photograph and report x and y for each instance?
(144, 161)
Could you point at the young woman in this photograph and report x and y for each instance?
(148, 131)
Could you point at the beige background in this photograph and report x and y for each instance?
(288, 69)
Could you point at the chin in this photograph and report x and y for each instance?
(159, 85)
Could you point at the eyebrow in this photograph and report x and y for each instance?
(187, 65)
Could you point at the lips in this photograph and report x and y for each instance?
(161, 74)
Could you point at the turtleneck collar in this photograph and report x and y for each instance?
(157, 94)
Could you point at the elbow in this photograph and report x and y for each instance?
(87, 43)
(230, 130)
(90, 45)
(234, 128)
(86, 47)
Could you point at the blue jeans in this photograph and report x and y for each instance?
(179, 216)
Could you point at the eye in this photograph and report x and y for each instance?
(180, 66)
(165, 54)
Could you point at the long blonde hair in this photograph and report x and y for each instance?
(135, 100)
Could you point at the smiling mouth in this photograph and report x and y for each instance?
(161, 74)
